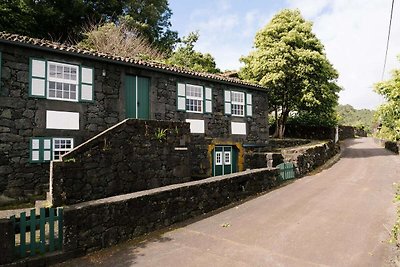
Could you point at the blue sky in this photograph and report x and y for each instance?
(354, 33)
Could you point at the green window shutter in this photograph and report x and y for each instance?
(86, 84)
(208, 100)
(37, 77)
(181, 96)
(227, 100)
(35, 149)
(249, 105)
(47, 149)
(40, 149)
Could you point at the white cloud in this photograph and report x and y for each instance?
(354, 33)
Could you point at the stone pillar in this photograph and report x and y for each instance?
(6, 241)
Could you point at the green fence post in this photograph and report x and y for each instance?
(60, 227)
(33, 231)
(22, 231)
(51, 229)
(42, 231)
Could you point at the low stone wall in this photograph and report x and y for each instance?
(134, 155)
(101, 223)
(389, 145)
(308, 158)
(6, 241)
(346, 132)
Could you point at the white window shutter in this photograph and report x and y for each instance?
(249, 105)
(37, 78)
(227, 106)
(47, 149)
(181, 97)
(208, 99)
(35, 150)
(86, 84)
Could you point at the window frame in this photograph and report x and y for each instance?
(63, 81)
(65, 150)
(237, 103)
(42, 151)
(190, 87)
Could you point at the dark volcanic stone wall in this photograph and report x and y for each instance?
(23, 117)
(130, 157)
(98, 224)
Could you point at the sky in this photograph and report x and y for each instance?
(354, 33)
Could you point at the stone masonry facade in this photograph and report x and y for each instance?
(23, 117)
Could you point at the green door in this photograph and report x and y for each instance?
(137, 97)
(224, 160)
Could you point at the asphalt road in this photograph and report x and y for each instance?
(339, 217)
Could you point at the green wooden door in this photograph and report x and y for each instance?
(137, 97)
(224, 160)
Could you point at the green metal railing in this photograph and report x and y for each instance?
(286, 171)
(38, 234)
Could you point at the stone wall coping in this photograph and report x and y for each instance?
(307, 146)
(121, 198)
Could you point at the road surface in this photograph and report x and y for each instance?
(339, 217)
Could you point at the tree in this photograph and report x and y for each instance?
(359, 118)
(152, 19)
(118, 39)
(389, 113)
(64, 20)
(186, 56)
(290, 61)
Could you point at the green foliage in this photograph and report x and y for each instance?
(359, 118)
(118, 39)
(161, 134)
(186, 56)
(388, 114)
(290, 61)
(63, 20)
(152, 19)
(396, 226)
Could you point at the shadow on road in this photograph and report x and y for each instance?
(365, 152)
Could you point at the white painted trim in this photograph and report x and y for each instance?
(238, 128)
(38, 68)
(196, 126)
(62, 120)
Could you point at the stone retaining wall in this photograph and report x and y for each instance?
(135, 155)
(101, 223)
(389, 145)
(307, 159)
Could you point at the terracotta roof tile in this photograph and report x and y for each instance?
(16, 38)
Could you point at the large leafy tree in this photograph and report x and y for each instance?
(289, 60)
(64, 20)
(389, 113)
(186, 56)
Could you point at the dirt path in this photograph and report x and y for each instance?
(339, 217)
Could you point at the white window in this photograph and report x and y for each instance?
(227, 158)
(237, 103)
(218, 158)
(60, 81)
(194, 98)
(61, 146)
(44, 149)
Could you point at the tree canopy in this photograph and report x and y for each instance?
(289, 60)
(359, 118)
(118, 39)
(64, 20)
(186, 56)
(388, 114)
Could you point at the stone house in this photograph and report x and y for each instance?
(53, 97)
